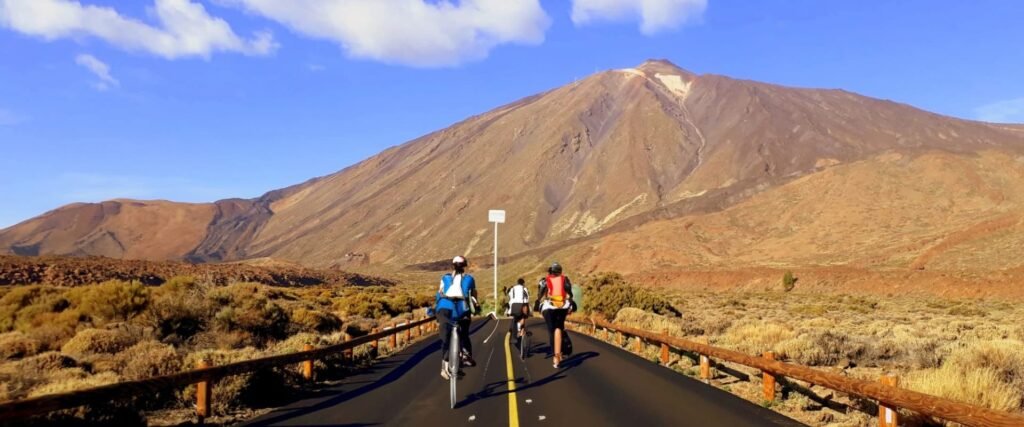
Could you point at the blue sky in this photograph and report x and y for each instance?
(197, 100)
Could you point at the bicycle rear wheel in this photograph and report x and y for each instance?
(524, 345)
(454, 362)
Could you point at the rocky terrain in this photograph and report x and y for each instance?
(72, 271)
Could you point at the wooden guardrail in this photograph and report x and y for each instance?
(885, 391)
(203, 376)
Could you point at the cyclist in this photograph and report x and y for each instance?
(455, 301)
(556, 294)
(519, 308)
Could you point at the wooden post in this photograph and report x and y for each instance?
(203, 394)
(618, 338)
(374, 344)
(639, 345)
(392, 341)
(705, 364)
(769, 379)
(887, 417)
(664, 350)
(408, 335)
(307, 365)
(347, 354)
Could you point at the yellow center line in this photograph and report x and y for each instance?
(513, 406)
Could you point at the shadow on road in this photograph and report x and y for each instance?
(395, 373)
(490, 390)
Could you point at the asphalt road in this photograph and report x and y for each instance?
(598, 385)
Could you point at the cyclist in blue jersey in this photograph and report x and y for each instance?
(456, 301)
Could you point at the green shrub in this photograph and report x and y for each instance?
(258, 317)
(607, 293)
(361, 305)
(21, 307)
(788, 281)
(110, 301)
(179, 310)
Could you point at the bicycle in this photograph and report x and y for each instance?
(524, 343)
(454, 361)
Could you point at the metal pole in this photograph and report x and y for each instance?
(495, 269)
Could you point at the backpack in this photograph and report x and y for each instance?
(556, 290)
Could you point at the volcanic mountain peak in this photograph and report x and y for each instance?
(608, 153)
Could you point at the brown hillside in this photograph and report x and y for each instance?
(583, 165)
(932, 210)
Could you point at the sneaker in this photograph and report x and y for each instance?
(444, 370)
(468, 361)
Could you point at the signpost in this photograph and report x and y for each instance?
(497, 217)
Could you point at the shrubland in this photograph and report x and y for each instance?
(967, 350)
(58, 339)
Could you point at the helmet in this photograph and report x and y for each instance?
(459, 262)
(555, 268)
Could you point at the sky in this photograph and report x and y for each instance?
(199, 100)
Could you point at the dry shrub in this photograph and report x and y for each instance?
(238, 391)
(89, 341)
(1005, 357)
(307, 320)
(16, 345)
(756, 338)
(148, 359)
(15, 383)
(45, 362)
(908, 346)
(55, 329)
(71, 379)
(637, 318)
(986, 373)
(295, 343)
(981, 386)
(820, 348)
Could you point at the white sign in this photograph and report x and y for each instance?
(496, 216)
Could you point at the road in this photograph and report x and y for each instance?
(598, 385)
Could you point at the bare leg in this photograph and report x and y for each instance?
(558, 346)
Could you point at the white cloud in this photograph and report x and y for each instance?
(654, 15)
(185, 28)
(100, 69)
(316, 68)
(10, 118)
(422, 33)
(1009, 111)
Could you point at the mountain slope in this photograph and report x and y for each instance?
(572, 165)
(934, 210)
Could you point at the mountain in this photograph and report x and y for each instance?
(692, 170)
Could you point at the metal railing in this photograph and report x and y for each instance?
(884, 391)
